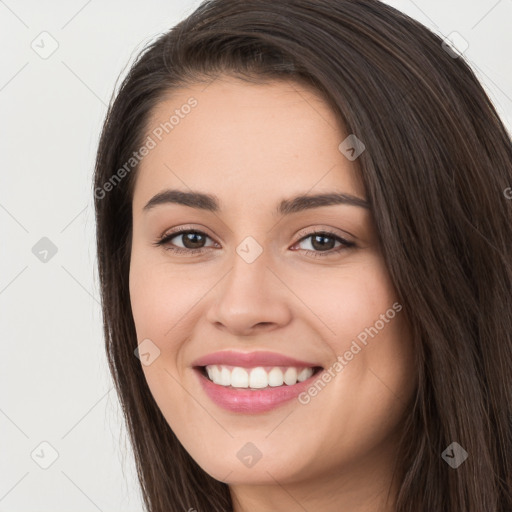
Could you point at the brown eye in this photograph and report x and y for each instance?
(324, 242)
(183, 241)
(192, 239)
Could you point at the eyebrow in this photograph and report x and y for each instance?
(296, 204)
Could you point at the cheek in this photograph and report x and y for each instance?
(343, 301)
(367, 335)
(372, 334)
(160, 297)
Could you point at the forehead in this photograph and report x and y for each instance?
(241, 140)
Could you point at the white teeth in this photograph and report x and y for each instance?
(216, 374)
(275, 377)
(257, 378)
(239, 378)
(290, 376)
(304, 374)
(225, 377)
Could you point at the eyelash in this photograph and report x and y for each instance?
(163, 241)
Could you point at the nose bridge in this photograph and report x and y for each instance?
(250, 294)
(249, 267)
(248, 279)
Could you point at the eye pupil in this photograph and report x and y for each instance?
(196, 239)
(322, 245)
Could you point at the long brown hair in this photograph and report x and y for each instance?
(437, 169)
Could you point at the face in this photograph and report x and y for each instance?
(259, 291)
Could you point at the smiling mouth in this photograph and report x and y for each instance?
(257, 378)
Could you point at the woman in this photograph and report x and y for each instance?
(304, 239)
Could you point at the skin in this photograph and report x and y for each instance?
(252, 145)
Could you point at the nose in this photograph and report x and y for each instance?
(250, 299)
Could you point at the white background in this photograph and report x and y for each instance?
(55, 385)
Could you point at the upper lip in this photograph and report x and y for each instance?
(250, 359)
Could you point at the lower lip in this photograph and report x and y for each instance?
(248, 401)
